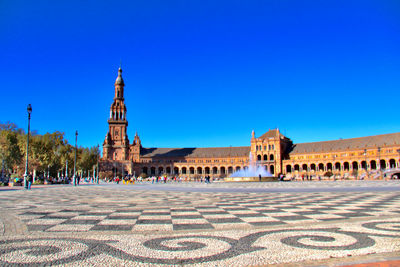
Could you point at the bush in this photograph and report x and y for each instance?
(143, 175)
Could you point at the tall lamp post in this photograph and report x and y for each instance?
(29, 109)
(379, 159)
(98, 149)
(76, 144)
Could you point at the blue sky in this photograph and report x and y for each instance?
(203, 73)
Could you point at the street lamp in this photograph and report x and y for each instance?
(29, 109)
(76, 143)
(379, 159)
(98, 149)
(366, 164)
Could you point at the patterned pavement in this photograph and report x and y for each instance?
(132, 225)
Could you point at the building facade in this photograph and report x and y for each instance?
(276, 152)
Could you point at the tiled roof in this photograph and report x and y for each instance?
(348, 144)
(202, 152)
(271, 133)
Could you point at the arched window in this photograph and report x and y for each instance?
(176, 170)
(392, 163)
(288, 168)
(191, 170)
(265, 157)
(346, 166)
(304, 167)
(296, 167)
(312, 167)
(152, 170)
(355, 165)
(168, 170)
(237, 168)
(258, 157)
(271, 157)
(383, 164)
(337, 166)
(207, 170)
(321, 167)
(199, 170)
(145, 170)
(230, 170)
(184, 170)
(214, 170)
(373, 164)
(222, 170)
(329, 166)
(271, 169)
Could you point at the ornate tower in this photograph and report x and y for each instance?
(116, 143)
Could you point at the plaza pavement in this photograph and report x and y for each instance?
(327, 223)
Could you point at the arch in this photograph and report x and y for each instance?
(265, 157)
(313, 167)
(191, 170)
(160, 170)
(153, 170)
(304, 167)
(296, 167)
(145, 170)
(207, 170)
(271, 169)
(346, 166)
(230, 170)
(383, 164)
(199, 170)
(355, 165)
(258, 157)
(329, 166)
(392, 163)
(184, 170)
(168, 170)
(237, 168)
(222, 170)
(271, 157)
(337, 166)
(363, 165)
(321, 167)
(373, 164)
(176, 170)
(288, 168)
(214, 170)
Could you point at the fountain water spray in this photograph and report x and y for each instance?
(252, 170)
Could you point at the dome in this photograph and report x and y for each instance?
(119, 79)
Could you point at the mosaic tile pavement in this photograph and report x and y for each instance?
(102, 225)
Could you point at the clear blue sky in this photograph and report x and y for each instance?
(203, 73)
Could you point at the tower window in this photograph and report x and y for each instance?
(117, 93)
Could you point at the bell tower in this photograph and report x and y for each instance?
(116, 143)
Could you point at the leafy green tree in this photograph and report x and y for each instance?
(10, 152)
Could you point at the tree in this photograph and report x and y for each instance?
(10, 152)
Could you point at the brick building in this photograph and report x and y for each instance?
(276, 152)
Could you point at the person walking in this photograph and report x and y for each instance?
(30, 179)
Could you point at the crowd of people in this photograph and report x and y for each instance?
(159, 179)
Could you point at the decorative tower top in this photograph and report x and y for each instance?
(119, 79)
(252, 134)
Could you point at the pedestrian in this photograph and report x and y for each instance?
(259, 177)
(29, 181)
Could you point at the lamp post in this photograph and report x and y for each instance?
(398, 151)
(29, 109)
(366, 164)
(76, 143)
(379, 159)
(98, 149)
